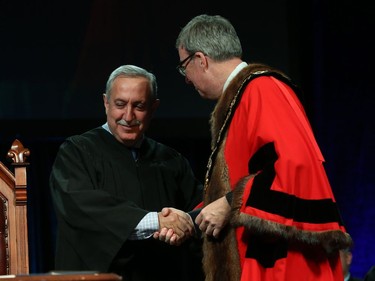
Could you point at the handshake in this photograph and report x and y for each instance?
(176, 226)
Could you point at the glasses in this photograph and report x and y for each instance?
(181, 68)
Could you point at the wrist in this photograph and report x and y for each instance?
(229, 197)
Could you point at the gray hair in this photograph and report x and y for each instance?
(214, 36)
(132, 71)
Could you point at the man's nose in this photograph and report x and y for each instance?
(128, 113)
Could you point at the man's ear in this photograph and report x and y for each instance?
(349, 258)
(202, 59)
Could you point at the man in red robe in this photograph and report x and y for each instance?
(269, 212)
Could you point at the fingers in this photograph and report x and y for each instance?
(185, 217)
(216, 232)
(181, 225)
(166, 211)
(212, 231)
(212, 218)
(199, 218)
(175, 226)
(168, 236)
(156, 235)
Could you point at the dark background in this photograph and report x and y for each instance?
(55, 58)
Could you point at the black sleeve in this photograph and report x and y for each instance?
(229, 197)
(193, 214)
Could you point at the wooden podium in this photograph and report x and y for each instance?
(61, 276)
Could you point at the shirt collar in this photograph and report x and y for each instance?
(106, 127)
(238, 68)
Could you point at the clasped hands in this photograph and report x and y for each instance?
(176, 226)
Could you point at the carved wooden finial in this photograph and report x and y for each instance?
(18, 153)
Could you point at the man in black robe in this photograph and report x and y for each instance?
(110, 184)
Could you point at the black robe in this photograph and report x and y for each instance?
(101, 193)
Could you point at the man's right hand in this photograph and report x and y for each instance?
(175, 226)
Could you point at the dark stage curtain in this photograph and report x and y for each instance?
(56, 57)
(343, 103)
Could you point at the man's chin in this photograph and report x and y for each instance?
(128, 138)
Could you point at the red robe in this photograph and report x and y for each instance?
(285, 222)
